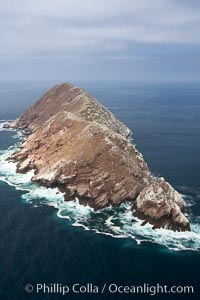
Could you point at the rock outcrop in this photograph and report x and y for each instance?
(79, 146)
(162, 206)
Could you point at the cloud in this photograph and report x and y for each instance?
(33, 26)
(83, 30)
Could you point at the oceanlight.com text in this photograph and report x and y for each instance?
(90, 288)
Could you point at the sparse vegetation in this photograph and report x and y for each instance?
(92, 113)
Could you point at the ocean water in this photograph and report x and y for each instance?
(46, 240)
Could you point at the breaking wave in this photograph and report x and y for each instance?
(117, 222)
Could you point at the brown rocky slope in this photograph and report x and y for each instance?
(76, 144)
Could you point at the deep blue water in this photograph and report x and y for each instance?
(36, 246)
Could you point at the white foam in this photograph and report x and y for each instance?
(59, 214)
(114, 222)
(172, 240)
(108, 222)
(2, 123)
(76, 224)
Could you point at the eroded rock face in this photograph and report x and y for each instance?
(67, 97)
(162, 206)
(79, 146)
(87, 158)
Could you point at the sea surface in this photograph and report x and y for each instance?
(46, 240)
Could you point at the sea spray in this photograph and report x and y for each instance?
(111, 222)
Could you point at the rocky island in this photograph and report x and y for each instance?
(76, 144)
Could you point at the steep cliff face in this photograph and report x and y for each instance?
(78, 145)
(66, 97)
(162, 206)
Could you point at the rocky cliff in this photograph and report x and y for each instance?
(79, 146)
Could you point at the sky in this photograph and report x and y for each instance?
(100, 40)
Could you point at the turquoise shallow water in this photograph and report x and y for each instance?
(44, 239)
